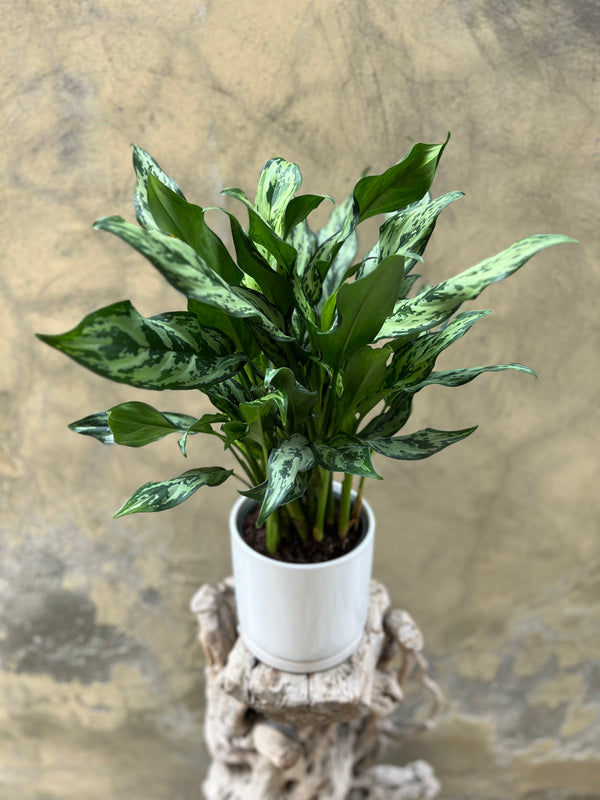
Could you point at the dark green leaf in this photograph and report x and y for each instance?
(299, 208)
(184, 220)
(363, 379)
(169, 351)
(361, 306)
(300, 401)
(401, 184)
(415, 446)
(263, 235)
(136, 424)
(161, 495)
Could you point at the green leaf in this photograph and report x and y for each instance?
(361, 306)
(264, 405)
(263, 235)
(278, 183)
(438, 303)
(345, 453)
(95, 425)
(419, 445)
(274, 286)
(136, 424)
(144, 166)
(300, 401)
(401, 184)
(363, 379)
(161, 495)
(169, 351)
(187, 271)
(184, 220)
(414, 360)
(458, 377)
(299, 208)
(291, 457)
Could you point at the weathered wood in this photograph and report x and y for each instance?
(274, 735)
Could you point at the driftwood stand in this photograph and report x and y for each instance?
(273, 735)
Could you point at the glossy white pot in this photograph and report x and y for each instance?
(301, 617)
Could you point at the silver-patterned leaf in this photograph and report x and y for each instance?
(163, 352)
(161, 495)
(414, 360)
(291, 457)
(187, 271)
(278, 183)
(458, 377)
(437, 304)
(345, 453)
(144, 165)
(96, 426)
(419, 445)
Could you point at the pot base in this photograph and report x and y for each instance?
(286, 665)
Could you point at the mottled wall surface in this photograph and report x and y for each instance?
(492, 545)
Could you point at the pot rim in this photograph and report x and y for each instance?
(235, 516)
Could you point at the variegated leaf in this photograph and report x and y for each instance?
(144, 165)
(262, 406)
(414, 360)
(390, 421)
(187, 271)
(345, 453)
(458, 377)
(163, 352)
(278, 183)
(409, 230)
(95, 425)
(161, 495)
(419, 445)
(438, 303)
(404, 183)
(291, 457)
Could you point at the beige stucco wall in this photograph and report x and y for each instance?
(492, 545)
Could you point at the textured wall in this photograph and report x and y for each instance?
(492, 545)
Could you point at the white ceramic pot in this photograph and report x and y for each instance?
(301, 617)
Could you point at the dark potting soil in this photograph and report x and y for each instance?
(291, 547)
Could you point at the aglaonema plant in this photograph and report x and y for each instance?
(310, 356)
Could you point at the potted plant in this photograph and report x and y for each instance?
(311, 358)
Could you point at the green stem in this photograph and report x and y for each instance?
(322, 503)
(345, 500)
(272, 529)
(298, 519)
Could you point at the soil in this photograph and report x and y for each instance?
(292, 549)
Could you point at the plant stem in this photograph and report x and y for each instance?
(358, 504)
(272, 528)
(298, 519)
(345, 499)
(322, 503)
